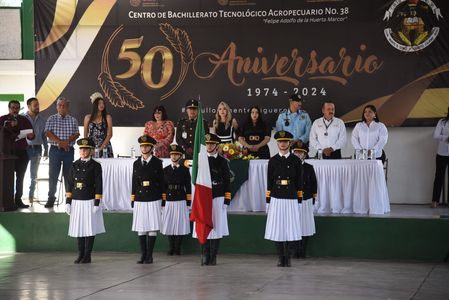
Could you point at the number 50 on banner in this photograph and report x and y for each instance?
(146, 66)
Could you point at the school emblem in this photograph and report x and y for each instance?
(412, 25)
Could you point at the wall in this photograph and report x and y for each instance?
(411, 151)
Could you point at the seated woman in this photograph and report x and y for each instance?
(255, 135)
(98, 125)
(162, 130)
(224, 124)
(370, 134)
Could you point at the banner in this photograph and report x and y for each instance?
(144, 53)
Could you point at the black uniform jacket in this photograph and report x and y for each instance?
(177, 185)
(221, 177)
(310, 186)
(185, 133)
(148, 181)
(85, 180)
(284, 177)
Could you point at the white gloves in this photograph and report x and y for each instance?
(267, 207)
(68, 209)
(96, 209)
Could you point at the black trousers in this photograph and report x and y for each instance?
(334, 155)
(20, 167)
(441, 165)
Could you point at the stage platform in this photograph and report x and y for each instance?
(409, 232)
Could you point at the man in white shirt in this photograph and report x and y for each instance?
(328, 134)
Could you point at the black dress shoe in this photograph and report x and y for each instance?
(49, 204)
(22, 205)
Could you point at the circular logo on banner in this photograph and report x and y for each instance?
(134, 3)
(412, 24)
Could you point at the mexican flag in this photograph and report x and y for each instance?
(202, 199)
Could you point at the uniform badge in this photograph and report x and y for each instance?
(207, 137)
(282, 134)
(85, 142)
(184, 135)
(145, 183)
(79, 185)
(144, 138)
(173, 147)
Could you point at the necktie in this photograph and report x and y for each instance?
(145, 163)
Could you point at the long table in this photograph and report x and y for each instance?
(344, 186)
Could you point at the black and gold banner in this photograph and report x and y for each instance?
(143, 53)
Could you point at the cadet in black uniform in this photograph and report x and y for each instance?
(284, 196)
(309, 187)
(176, 201)
(221, 194)
(185, 129)
(83, 197)
(146, 198)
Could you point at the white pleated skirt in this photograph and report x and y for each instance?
(219, 219)
(83, 221)
(146, 216)
(283, 220)
(175, 218)
(306, 217)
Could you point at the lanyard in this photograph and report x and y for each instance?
(327, 126)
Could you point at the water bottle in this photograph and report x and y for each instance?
(133, 152)
(364, 154)
(105, 152)
(320, 153)
(97, 152)
(371, 154)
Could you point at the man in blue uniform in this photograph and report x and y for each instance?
(295, 120)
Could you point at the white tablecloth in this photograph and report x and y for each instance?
(344, 186)
(351, 186)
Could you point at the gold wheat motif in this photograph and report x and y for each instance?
(180, 41)
(117, 94)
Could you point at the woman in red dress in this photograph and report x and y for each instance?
(162, 130)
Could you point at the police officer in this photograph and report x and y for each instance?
(185, 129)
(221, 193)
(295, 120)
(83, 197)
(146, 198)
(309, 186)
(176, 201)
(284, 196)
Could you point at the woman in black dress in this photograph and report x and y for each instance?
(224, 124)
(255, 135)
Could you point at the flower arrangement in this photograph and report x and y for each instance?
(231, 151)
(235, 151)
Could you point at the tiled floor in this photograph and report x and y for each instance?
(117, 276)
